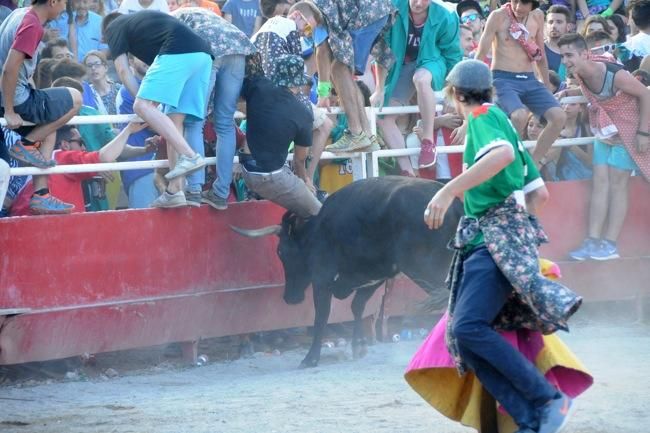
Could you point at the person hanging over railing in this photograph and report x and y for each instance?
(619, 115)
(49, 109)
(344, 33)
(178, 77)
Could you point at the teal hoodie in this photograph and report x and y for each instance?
(439, 46)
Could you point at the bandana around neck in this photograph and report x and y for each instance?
(520, 33)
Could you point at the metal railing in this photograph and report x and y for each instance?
(362, 166)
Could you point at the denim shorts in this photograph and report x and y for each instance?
(363, 40)
(613, 155)
(180, 82)
(517, 90)
(43, 106)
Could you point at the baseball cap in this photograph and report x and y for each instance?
(470, 74)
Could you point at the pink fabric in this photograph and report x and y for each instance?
(433, 354)
(618, 117)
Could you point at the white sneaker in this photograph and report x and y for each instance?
(186, 165)
(167, 200)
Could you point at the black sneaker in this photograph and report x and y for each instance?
(209, 197)
(193, 198)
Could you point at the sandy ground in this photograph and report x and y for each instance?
(267, 393)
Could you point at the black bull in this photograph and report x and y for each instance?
(365, 233)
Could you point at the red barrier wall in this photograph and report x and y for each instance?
(115, 280)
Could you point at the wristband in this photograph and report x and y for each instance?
(324, 89)
(642, 134)
(607, 13)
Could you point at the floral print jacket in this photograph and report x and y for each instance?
(512, 236)
(224, 38)
(341, 16)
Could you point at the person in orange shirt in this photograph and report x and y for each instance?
(206, 4)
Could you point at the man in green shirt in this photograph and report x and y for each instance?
(497, 169)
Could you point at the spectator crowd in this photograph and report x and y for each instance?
(186, 66)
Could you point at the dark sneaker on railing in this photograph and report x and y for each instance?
(209, 197)
(49, 205)
(193, 198)
(30, 155)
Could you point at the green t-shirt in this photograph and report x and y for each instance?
(488, 128)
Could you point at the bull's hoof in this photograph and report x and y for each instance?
(308, 363)
(359, 351)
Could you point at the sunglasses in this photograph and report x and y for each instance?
(79, 141)
(469, 18)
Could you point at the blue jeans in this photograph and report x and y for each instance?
(142, 192)
(504, 372)
(227, 87)
(193, 132)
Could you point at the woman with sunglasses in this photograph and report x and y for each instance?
(104, 89)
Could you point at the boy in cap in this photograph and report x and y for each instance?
(276, 117)
(494, 278)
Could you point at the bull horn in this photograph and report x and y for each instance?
(258, 233)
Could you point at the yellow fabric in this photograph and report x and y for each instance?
(334, 177)
(461, 398)
(113, 190)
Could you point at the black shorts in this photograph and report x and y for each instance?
(43, 106)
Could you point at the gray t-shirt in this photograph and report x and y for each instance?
(8, 30)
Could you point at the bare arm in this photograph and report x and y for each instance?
(115, 147)
(10, 78)
(377, 97)
(541, 64)
(582, 5)
(324, 61)
(258, 24)
(300, 154)
(489, 33)
(488, 166)
(125, 74)
(624, 81)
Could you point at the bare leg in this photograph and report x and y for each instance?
(395, 140)
(347, 91)
(519, 119)
(599, 201)
(618, 202)
(47, 147)
(555, 118)
(426, 101)
(163, 125)
(178, 183)
(319, 140)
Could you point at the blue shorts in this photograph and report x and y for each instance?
(522, 90)
(613, 155)
(180, 82)
(43, 106)
(363, 40)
